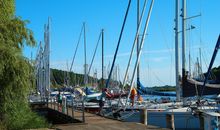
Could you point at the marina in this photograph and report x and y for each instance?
(148, 69)
(185, 108)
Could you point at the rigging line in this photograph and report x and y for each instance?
(161, 28)
(76, 48)
(94, 53)
(217, 47)
(157, 77)
(205, 58)
(200, 22)
(85, 71)
(147, 59)
(168, 46)
(135, 41)
(119, 40)
(140, 50)
(116, 51)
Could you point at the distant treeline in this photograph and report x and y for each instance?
(60, 78)
(164, 88)
(216, 73)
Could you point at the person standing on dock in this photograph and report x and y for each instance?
(132, 96)
(59, 100)
(102, 100)
(101, 104)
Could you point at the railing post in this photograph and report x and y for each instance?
(54, 104)
(83, 112)
(170, 121)
(66, 107)
(64, 104)
(47, 100)
(58, 106)
(72, 109)
(143, 116)
(51, 102)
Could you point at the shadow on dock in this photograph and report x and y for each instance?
(72, 120)
(53, 116)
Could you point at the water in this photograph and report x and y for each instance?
(183, 120)
(159, 98)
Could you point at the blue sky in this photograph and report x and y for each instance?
(157, 61)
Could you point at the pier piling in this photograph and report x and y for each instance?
(143, 114)
(170, 121)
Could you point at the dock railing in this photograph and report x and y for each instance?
(69, 107)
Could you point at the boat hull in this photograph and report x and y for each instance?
(195, 88)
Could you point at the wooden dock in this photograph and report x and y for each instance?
(96, 122)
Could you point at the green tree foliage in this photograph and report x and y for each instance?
(216, 72)
(164, 88)
(7, 9)
(59, 76)
(15, 71)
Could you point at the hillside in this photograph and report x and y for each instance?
(59, 78)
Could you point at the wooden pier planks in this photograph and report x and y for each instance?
(96, 122)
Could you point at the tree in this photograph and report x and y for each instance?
(15, 70)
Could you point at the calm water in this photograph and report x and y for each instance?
(158, 98)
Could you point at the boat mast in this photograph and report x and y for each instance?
(141, 46)
(48, 65)
(138, 21)
(102, 58)
(85, 71)
(177, 51)
(67, 75)
(184, 76)
(200, 64)
(119, 40)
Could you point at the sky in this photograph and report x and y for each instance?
(157, 66)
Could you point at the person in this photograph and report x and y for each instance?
(101, 104)
(102, 100)
(132, 96)
(59, 100)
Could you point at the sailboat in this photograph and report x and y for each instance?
(190, 86)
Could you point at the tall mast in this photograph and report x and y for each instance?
(177, 51)
(85, 67)
(200, 63)
(184, 76)
(138, 21)
(102, 58)
(49, 55)
(67, 75)
(189, 73)
(141, 46)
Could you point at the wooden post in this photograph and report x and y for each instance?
(201, 121)
(72, 110)
(83, 112)
(66, 107)
(170, 121)
(51, 102)
(54, 104)
(143, 116)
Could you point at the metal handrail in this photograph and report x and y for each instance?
(65, 109)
